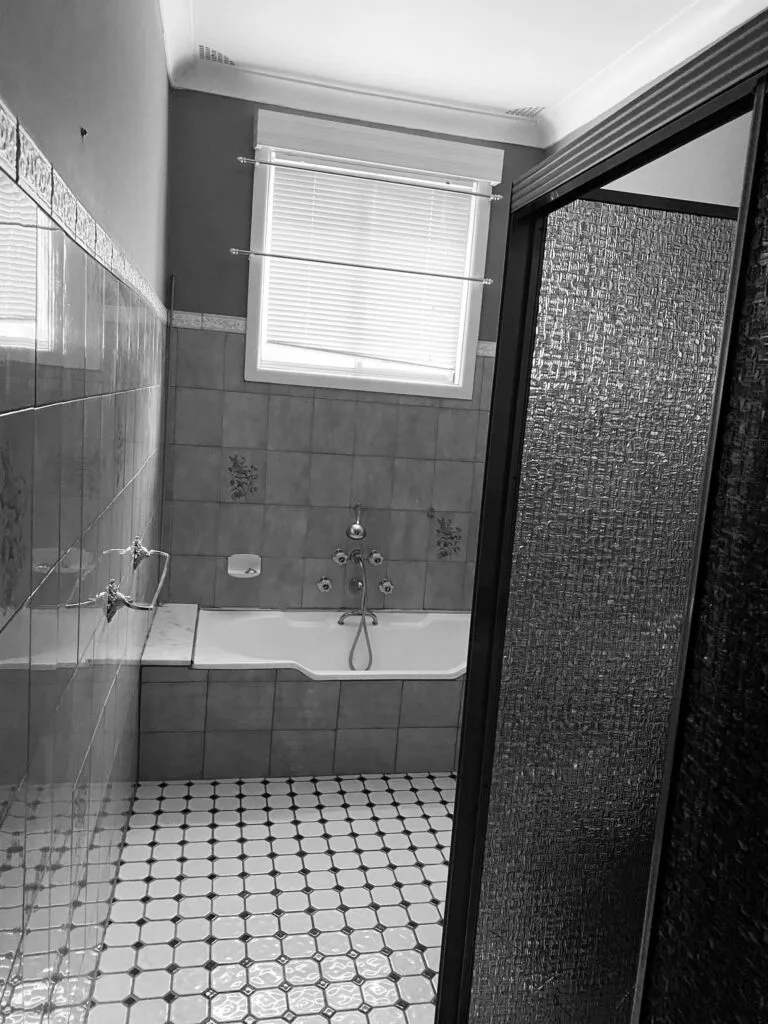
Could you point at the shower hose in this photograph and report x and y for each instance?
(362, 629)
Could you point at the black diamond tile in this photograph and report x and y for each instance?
(210, 964)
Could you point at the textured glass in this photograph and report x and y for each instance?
(709, 947)
(629, 329)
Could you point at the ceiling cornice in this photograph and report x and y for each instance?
(273, 89)
(695, 28)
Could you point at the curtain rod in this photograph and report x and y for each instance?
(361, 266)
(493, 197)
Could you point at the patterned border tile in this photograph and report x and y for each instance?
(8, 141)
(64, 206)
(35, 171)
(486, 348)
(230, 324)
(22, 160)
(192, 321)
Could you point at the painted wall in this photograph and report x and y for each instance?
(708, 170)
(99, 64)
(210, 206)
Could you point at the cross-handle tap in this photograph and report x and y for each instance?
(116, 600)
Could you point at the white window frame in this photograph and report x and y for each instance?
(428, 157)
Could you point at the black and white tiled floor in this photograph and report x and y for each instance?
(312, 901)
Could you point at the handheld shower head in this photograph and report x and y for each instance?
(356, 530)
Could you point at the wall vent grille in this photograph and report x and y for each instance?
(207, 53)
(530, 113)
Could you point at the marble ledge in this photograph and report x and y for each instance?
(172, 637)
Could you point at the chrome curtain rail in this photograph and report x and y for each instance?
(361, 266)
(370, 177)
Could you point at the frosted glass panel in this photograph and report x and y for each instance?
(628, 336)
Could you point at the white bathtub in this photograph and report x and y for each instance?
(406, 645)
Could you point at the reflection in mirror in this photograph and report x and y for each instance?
(630, 323)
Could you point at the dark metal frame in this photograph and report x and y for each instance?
(717, 85)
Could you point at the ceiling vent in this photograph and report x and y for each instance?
(206, 53)
(529, 113)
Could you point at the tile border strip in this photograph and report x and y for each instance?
(236, 325)
(26, 165)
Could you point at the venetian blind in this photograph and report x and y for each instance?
(379, 317)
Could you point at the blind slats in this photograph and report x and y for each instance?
(356, 312)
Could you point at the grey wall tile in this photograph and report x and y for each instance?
(333, 426)
(365, 750)
(234, 367)
(195, 473)
(489, 367)
(302, 752)
(245, 420)
(409, 535)
(309, 704)
(370, 704)
(410, 583)
(482, 435)
(287, 478)
(376, 429)
(200, 359)
(452, 490)
(291, 675)
(413, 482)
(194, 527)
(236, 755)
(477, 486)
(430, 702)
(170, 755)
(285, 529)
(192, 579)
(281, 582)
(445, 585)
(372, 480)
(198, 416)
(330, 480)
(243, 475)
(290, 423)
(172, 674)
(456, 434)
(17, 433)
(425, 750)
(237, 592)
(325, 531)
(172, 707)
(416, 432)
(234, 705)
(240, 528)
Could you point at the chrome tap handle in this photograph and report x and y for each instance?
(323, 584)
(340, 557)
(115, 600)
(386, 586)
(138, 552)
(375, 558)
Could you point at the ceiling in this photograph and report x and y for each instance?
(442, 65)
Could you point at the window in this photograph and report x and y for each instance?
(374, 277)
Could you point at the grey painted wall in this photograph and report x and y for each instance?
(99, 64)
(210, 206)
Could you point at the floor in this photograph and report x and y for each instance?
(279, 900)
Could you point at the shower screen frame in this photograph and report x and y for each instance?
(720, 84)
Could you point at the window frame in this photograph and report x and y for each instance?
(344, 380)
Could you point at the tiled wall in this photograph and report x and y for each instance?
(238, 724)
(81, 374)
(274, 469)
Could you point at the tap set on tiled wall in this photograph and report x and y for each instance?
(81, 377)
(274, 469)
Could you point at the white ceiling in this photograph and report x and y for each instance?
(443, 65)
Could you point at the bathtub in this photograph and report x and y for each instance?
(406, 645)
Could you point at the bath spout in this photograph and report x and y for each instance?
(351, 614)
